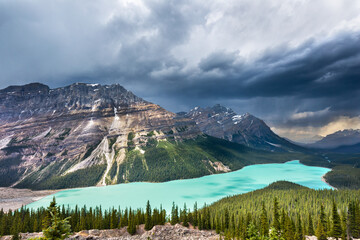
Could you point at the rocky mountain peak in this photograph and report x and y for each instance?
(37, 88)
(23, 102)
(77, 127)
(223, 122)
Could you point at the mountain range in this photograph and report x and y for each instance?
(222, 122)
(89, 134)
(347, 140)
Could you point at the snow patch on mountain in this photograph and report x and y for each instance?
(237, 118)
(5, 141)
(273, 144)
(42, 135)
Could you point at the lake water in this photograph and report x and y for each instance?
(202, 190)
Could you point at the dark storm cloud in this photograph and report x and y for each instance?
(310, 78)
(285, 62)
(313, 70)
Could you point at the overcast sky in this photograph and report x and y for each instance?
(295, 64)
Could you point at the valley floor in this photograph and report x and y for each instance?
(13, 198)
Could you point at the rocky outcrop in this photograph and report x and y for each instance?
(223, 122)
(46, 132)
(159, 232)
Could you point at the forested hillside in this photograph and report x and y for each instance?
(282, 210)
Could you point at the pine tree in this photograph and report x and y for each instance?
(354, 219)
(323, 218)
(217, 225)
(336, 230)
(113, 219)
(288, 229)
(195, 216)
(282, 221)
(148, 222)
(320, 230)
(59, 228)
(344, 225)
(310, 230)
(276, 215)
(226, 220)
(299, 230)
(4, 225)
(36, 225)
(131, 228)
(126, 217)
(264, 223)
(15, 230)
(47, 220)
(174, 215)
(357, 219)
(184, 214)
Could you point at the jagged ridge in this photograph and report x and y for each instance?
(223, 122)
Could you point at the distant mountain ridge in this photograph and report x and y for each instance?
(223, 122)
(339, 140)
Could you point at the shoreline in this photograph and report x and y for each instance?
(323, 179)
(15, 198)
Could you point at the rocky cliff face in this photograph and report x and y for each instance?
(46, 132)
(222, 122)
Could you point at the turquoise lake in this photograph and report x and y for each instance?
(202, 190)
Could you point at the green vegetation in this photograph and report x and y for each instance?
(49, 154)
(131, 136)
(14, 149)
(150, 134)
(344, 176)
(8, 174)
(290, 209)
(167, 160)
(58, 228)
(282, 210)
(57, 223)
(113, 170)
(130, 142)
(81, 178)
(90, 150)
(111, 142)
(345, 171)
